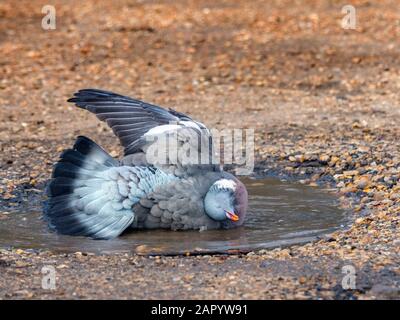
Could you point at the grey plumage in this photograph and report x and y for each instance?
(92, 194)
(129, 118)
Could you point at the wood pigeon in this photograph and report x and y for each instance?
(92, 194)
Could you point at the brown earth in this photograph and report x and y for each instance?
(323, 100)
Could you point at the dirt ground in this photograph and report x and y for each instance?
(324, 103)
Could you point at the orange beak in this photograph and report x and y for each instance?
(231, 216)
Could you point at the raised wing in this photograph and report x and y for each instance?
(139, 124)
(136, 122)
(130, 119)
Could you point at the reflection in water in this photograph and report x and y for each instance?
(280, 213)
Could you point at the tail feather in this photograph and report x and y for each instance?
(78, 159)
(69, 170)
(79, 197)
(60, 186)
(87, 147)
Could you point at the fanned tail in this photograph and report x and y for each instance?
(82, 194)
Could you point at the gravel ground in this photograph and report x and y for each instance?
(323, 102)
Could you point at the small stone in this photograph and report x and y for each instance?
(341, 184)
(351, 173)
(362, 183)
(395, 196)
(348, 189)
(324, 158)
(359, 221)
(142, 249)
(299, 158)
(333, 161)
(302, 280)
(378, 196)
(114, 153)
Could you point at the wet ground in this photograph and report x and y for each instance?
(324, 103)
(280, 214)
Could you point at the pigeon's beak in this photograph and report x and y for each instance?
(231, 216)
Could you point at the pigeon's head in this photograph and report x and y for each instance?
(226, 201)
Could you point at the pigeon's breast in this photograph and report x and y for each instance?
(176, 205)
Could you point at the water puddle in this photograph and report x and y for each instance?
(280, 214)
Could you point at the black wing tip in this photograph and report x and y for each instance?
(84, 94)
(89, 99)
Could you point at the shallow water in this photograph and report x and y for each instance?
(280, 213)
